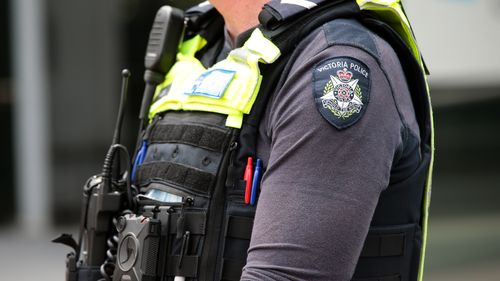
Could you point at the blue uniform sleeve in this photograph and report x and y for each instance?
(323, 181)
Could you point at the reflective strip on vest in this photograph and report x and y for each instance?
(239, 73)
(391, 12)
(427, 193)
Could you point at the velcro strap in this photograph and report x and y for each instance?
(199, 136)
(239, 227)
(232, 269)
(383, 278)
(193, 222)
(384, 245)
(176, 173)
(189, 266)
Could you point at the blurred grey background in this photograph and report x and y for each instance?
(60, 63)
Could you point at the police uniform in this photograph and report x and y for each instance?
(343, 140)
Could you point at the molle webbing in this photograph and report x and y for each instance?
(239, 227)
(184, 151)
(195, 135)
(177, 174)
(186, 156)
(384, 245)
(238, 231)
(390, 252)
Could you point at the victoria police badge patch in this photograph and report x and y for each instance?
(341, 88)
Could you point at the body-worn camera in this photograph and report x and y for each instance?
(137, 252)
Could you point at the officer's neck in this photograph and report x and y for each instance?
(239, 15)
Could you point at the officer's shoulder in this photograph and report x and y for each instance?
(351, 32)
(342, 77)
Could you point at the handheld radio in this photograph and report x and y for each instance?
(108, 197)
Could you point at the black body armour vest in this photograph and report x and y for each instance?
(199, 162)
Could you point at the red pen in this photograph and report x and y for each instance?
(247, 177)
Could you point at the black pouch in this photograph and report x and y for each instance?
(390, 253)
(178, 182)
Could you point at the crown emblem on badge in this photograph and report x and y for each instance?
(344, 75)
(342, 95)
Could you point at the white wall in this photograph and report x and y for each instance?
(460, 40)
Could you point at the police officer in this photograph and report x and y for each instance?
(289, 140)
(339, 131)
(342, 136)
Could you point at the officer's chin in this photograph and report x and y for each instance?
(183, 4)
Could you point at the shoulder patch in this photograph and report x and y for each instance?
(341, 89)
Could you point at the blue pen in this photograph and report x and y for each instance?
(256, 180)
(139, 159)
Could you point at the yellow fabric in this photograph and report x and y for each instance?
(241, 92)
(186, 64)
(391, 12)
(427, 195)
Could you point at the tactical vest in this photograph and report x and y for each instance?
(191, 167)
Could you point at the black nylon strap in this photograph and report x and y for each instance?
(209, 24)
(288, 33)
(384, 245)
(189, 266)
(232, 269)
(239, 227)
(383, 278)
(177, 174)
(199, 136)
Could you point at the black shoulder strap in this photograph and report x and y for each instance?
(200, 20)
(204, 20)
(287, 32)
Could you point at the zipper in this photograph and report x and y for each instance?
(232, 148)
(211, 250)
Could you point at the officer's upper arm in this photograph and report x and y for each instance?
(334, 130)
